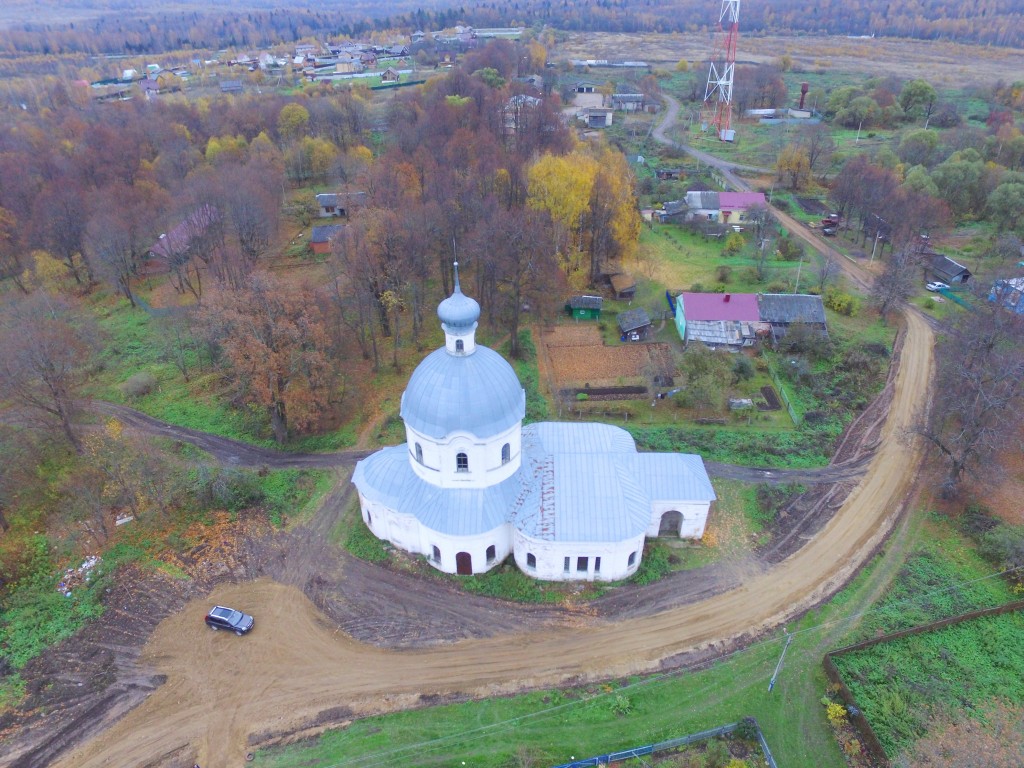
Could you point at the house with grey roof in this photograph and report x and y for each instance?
(635, 324)
(784, 310)
(472, 486)
(944, 269)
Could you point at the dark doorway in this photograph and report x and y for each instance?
(464, 564)
(671, 524)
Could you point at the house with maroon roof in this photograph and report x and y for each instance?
(734, 206)
(719, 319)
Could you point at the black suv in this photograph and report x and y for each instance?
(228, 618)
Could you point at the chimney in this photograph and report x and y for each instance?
(727, 297)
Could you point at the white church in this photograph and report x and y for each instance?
(472, 485)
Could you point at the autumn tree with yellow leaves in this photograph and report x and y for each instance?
(590, 197)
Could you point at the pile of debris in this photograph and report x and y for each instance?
(78, 577)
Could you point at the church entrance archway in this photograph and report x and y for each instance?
(464, 564)
(671, 524)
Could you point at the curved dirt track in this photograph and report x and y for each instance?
(222, 691)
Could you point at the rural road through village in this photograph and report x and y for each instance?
(218, 692)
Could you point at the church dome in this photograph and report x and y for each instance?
(478, 393)
(458, 311)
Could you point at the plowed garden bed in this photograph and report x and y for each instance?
(579, 357)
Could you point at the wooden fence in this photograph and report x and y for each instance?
(869, 740)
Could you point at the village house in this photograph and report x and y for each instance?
(719, 319)
(472, 486)
(735, 207)
(782, 311)
(390, 75)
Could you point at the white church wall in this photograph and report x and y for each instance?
(385, 523)
(549, 558)
(695, 517)
(476, 546)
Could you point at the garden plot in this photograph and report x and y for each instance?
(579, 356)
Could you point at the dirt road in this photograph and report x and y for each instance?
(223, 693)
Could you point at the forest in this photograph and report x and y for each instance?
(988, 22)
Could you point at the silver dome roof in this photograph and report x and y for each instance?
(459, 311)
(477, 393)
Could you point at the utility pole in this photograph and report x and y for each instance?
(778, 667)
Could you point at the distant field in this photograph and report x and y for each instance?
(944, 64)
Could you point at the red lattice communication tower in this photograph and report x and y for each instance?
(717, 109)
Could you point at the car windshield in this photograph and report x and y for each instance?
(235, 617)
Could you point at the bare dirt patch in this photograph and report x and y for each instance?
(579, 357)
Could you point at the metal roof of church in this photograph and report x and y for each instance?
(478, 393)
(576, 483)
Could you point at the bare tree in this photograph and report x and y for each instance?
(977, 410)
(826, 269)
(44, 348)
(896, 283)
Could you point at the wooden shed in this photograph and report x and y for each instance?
(635, 324)
(584, 307)
(624, 285)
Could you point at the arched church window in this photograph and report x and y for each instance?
(461, 463)
(419, 453)
(458, 345)
(531, 560)
(437, 555)
(506, 453)
(632, 559)
(491, 554)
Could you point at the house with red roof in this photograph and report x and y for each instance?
(720, 319)
(734, 206)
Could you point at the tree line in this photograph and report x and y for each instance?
(986, 22)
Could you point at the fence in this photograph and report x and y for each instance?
(682, 741)
(796, 417)
(871, 743)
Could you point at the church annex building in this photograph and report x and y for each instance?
(472, 485)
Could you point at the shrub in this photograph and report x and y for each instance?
(842, 302)
(654, 565)
(929, 304)
(723, 273)
(138, 385)
(742, 369)
(1004, 545)
(836, 714)
(622, 705)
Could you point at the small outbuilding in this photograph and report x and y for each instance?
(320, 238)
(624, 286)
(585, 307)
(635, 324)
(944, 269)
